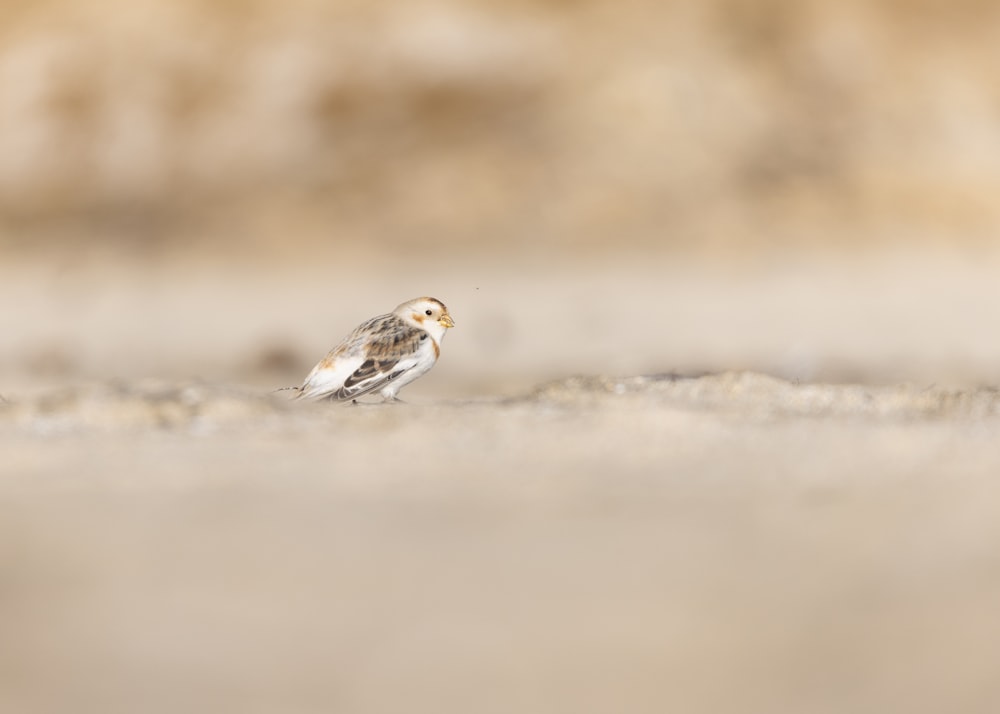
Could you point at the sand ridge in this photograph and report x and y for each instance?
(160, 404)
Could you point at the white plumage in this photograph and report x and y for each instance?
(383, 354)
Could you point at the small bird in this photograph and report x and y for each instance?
(382, 354)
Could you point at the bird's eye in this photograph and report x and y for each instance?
(428, 312)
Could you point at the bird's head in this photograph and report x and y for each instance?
(427, 313)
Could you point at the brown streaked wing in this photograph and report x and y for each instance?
(371, 368)
(392, 339)
(369, 377)
(388, 340)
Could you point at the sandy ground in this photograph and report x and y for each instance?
(727, 543)
(711, 541)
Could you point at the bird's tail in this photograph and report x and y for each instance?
(298, 391)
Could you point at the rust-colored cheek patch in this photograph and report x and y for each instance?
(418, 317)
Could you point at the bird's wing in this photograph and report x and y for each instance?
(377, 352)
(371, 376)
(328, 376)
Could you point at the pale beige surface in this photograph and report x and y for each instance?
(890, 314)
(731, 543)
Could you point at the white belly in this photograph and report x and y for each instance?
(426, 357)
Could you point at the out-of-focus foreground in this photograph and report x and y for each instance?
(198, 199)
(719, 544)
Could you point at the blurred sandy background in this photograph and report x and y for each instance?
(224, 189)
(198, 199)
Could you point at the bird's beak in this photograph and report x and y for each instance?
(446, 321)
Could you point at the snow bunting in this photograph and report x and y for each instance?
(383, 354)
